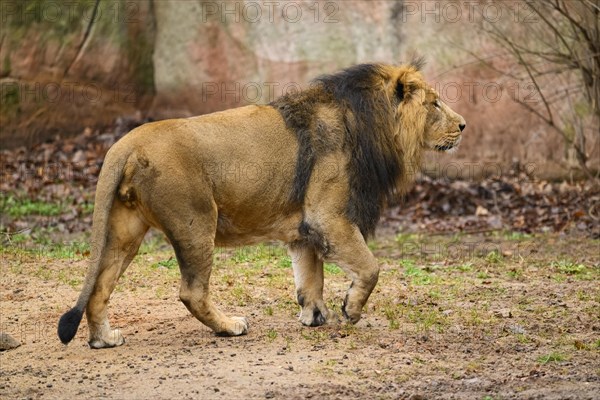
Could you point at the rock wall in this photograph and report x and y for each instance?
(214, 55)
(66, 65)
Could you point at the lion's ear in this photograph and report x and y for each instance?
(400, 90)
(404, 90)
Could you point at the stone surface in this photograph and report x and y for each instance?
(7, 342)
(68, 66)
(212, 56)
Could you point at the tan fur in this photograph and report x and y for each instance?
(225, 179)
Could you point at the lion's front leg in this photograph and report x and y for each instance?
(308, 276)
(351, 253)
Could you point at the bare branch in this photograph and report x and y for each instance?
(566, 41)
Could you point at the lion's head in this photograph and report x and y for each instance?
(390, 114)
(424, 121)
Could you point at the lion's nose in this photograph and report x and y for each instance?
(462, 127)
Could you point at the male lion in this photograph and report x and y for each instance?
(312, 169)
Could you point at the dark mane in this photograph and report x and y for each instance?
(298, 111)
(374, 165)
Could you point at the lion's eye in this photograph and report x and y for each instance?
(436, 104)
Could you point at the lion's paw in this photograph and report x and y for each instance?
(237, 326)
(113, 338)
(240, 326)
(317, 316)
(351, 313)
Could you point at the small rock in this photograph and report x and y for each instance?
(7, 342)
(503, 313)
(78, 157)
(516, 329)
(481, 211)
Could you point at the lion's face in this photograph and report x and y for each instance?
(424, 121)
(443, 127)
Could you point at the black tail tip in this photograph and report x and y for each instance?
(68, 324)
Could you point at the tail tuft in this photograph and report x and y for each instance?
(68, 324)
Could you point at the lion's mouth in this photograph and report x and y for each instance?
(445, 147)
(448, 145)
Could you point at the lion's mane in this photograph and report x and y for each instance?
(382, 157)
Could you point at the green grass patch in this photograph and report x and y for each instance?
(170, 263)
(16, 238)
(427, 319)
(272, 334)
(515, 273)
(483, 275)
(19, 207)
(392, 315)
(407, 263)
(284, 262)
(494, 257)
(522, 338)
(67, 278)
(268, 310)
(72, 250)
(570, 268)
(551, 357)
(466, 267)
(259, 255)
(86, 208)
(45, 248)
(332, 269)
(417, 275)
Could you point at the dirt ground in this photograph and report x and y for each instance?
(496, 316)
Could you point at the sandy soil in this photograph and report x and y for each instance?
(498, 335)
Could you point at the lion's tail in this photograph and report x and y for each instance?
(108, 182)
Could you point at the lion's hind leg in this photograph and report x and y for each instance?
(308, 276)
(194, 251)
(126, 232)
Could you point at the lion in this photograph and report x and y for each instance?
(313, 169)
